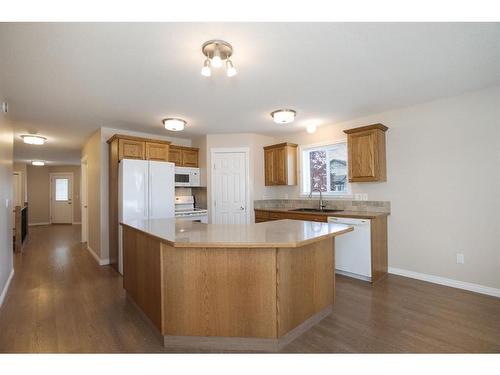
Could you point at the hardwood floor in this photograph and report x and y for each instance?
(60, 300)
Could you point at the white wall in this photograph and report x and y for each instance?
(255, 143)
(6, 162)
(443, 182)
(102, 191)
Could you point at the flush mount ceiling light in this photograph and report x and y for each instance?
(33, 139)
(174, 124)
(311, 128)
(283, 116)
(216, 52)
(38, 163)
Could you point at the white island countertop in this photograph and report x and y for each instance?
(280, 233)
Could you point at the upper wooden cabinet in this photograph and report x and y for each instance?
(183, 156)
(129, 147)
(175, 155)
(366, 148)
(157, 151)
(280, 164)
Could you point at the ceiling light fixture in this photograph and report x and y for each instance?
(283, 116)
(311, 128)
(33, 139)
(174, 124)
(216, 52)
(38, 163)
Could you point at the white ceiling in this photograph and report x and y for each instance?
(65, 80)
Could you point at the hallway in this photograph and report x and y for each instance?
(60, 300)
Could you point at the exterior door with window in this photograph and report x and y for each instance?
(229, 188)
(61, 198)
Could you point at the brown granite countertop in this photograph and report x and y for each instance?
(350, 214)
(272, 234)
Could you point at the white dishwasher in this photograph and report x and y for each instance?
(353, 249)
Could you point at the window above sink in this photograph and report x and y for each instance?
(324, 167)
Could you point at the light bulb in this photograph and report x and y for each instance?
(230, 69)
(38, 163)
(311, 128)
(206, 71)
(216, 60)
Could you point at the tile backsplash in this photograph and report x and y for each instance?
(339, 204)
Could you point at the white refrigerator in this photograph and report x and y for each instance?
(146, 191)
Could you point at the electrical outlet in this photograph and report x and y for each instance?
(460, 258)
(364, 196)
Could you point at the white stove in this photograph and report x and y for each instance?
(185, 210)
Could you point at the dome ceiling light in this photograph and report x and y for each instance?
(217, 53)
(283, 116)
(174, 124)
(311, 128)
(33, 139)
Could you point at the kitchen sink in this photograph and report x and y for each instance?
(314, 210)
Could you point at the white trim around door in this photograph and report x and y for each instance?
(84, 199)
(230, 150)
(70, 194)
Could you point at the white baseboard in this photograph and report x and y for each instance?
(447, 282)
(36, 224)
(6, 287)
(104, 262)
(101, 262)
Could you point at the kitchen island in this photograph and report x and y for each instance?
(225, 287)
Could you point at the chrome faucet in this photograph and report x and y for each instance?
(321, 205)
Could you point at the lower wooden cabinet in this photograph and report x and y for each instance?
(378, 233)
(263, 215)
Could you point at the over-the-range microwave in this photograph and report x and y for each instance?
(185, 176)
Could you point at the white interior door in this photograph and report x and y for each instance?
(61, 198)
(229, 187)
(84, 200)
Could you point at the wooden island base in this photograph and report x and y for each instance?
(234, 298)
